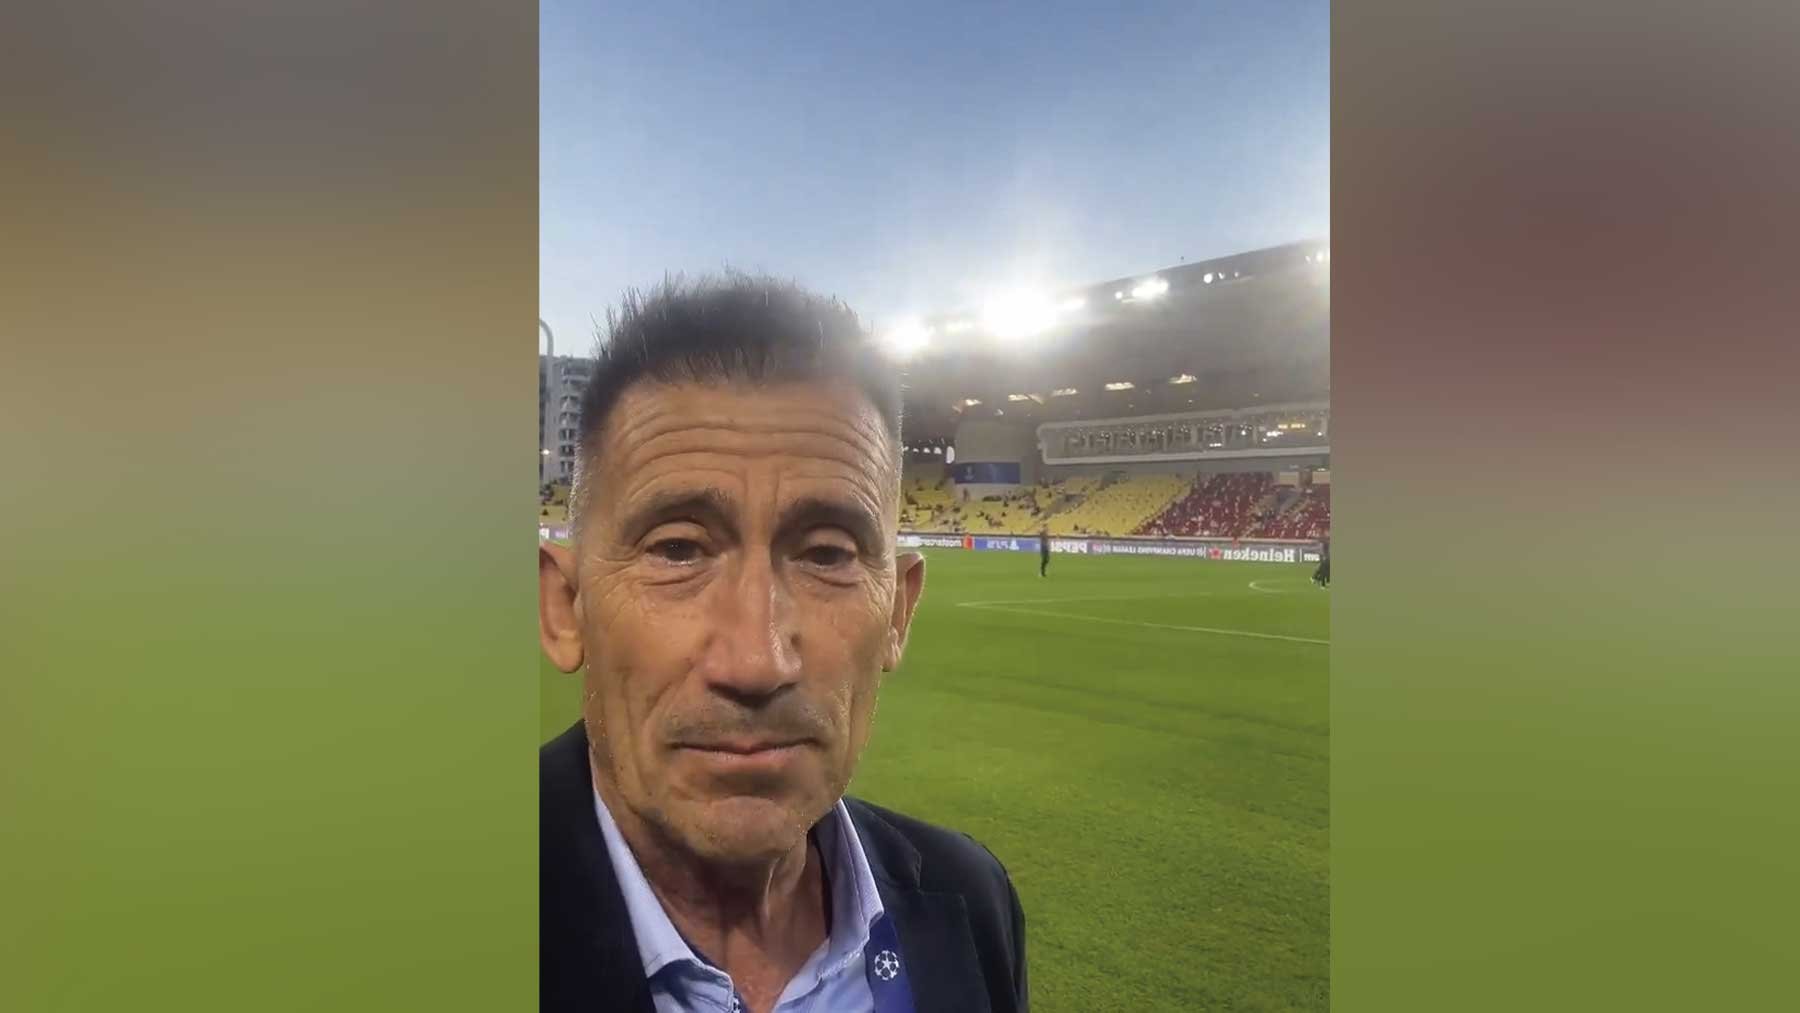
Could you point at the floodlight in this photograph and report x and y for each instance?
(1017, 315)
(1149, 288)
(1207, 277)
(1063, 392)
(1073, 304)
(957, 326)
(906, 339)
(1120, 385)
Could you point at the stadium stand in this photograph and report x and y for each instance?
(1246, 505)
(1118, 503)
(1019, 514)
(1218, 506)
(925, 498)
(1223, 505)
(1305, 515)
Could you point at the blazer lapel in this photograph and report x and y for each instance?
(591, 961)
(939, 951)
(937, 943)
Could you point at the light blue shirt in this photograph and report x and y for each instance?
(832, 980)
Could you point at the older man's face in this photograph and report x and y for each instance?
(738, 599)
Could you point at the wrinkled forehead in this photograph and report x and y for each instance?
(818, 438)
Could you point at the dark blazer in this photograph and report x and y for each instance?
(962, 932)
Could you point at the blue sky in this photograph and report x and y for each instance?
(909, 158)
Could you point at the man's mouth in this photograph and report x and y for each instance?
(743, 747)
(754, 758)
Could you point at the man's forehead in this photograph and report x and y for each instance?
(765, 407)
(664, 428)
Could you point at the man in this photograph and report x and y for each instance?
(733, 598)
(1322, 573)
(1044, 552)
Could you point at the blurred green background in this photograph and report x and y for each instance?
(266, 613)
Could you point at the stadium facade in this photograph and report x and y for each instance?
(1191, 402)
(1188, 408)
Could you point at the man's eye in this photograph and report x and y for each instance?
(676, 550)
(827, 555)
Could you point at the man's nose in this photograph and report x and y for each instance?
(754, 649)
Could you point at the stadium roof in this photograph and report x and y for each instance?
(1224, 333)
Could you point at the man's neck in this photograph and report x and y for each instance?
(759, 922)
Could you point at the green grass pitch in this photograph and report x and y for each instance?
(1154, 777)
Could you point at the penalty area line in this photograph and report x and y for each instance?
(1153, 626)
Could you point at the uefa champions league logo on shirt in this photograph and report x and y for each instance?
(887, 965)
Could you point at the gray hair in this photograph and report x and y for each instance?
(733, 326)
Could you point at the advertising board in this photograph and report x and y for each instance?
(1005, 543)
(1246, 552)
(1198, 550)
(909, 540)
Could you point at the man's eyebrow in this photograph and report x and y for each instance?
(706, 504)
(816, 511)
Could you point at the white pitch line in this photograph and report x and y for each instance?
(1153, 626)
(1085, 597)
(1256, 585)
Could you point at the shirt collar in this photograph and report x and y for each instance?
(855, 902)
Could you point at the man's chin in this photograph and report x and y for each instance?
(746, 829)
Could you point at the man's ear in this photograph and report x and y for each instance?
(559, 621)
(908, 585)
